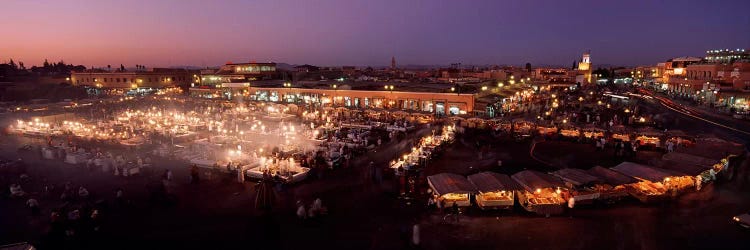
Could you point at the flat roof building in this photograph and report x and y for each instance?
(154, 78)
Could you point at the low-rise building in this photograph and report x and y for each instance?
(154, 78)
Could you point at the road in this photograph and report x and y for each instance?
(731, 127)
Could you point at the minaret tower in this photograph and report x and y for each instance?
(393, 62)
(584, 69)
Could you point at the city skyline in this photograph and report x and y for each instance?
(194, 33)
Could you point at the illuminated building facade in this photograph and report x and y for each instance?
(154, 78)
(427, 102)
(239, 72)
(727, 55)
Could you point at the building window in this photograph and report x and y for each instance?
(118, 79)
(105, 79)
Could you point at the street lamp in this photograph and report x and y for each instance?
(500, 84)
(389, 87)
(334, 94)
(484, 88)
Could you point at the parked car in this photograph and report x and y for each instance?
(742, 219)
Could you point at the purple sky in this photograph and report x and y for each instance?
(353, 32)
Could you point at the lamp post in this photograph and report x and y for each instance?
(333, 102)
(288, 86)
(456, 89)
(389, 87)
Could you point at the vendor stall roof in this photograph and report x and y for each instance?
(682, 167)
(532, 180)
(492, 182)
(611, 177)
(577, 177)
(689, 159)
(446, 183)
(645, 172)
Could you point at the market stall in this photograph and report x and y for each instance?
(570, 132)
(522, 127)
(654, 183)
(451, 188)
(592, 132)
(494, 190)
(581, 185)
(692, 165)
(546, 128)
(287, 171)
(613, 185)
(619, 132)
(542, 194)
(648, 137)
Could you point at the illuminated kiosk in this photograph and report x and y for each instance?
(570, 131)
(620, 132)
(648, 136)
(451, 188)
(542, 194)
(546, 128)
(592, 132)
(654, 183)
(288, 170)
(522, 127)
(494, 190)
(613, 186)
(692, 165)
(582, 186)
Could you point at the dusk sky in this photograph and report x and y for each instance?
(351, 32)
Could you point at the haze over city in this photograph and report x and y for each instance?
(210, 33)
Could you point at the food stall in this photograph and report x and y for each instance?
(451, 188)
(494, 190)
(592, 132)
(692, 165)
(654, 183)
(522, 127)
(546, 128)
(286, 170)
(570, 132)
(680, 136)
(542, 194)
(502, 125)
(581, 185)
(619, 132)
(613, 183)
(648, 137)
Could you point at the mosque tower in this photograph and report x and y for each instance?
(584, 69)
